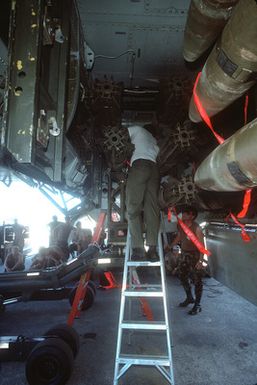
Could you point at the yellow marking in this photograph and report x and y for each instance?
(19, 65)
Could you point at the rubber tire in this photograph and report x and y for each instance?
(2, 306)
(49, 363)
(88, 299)
(93, 286)
(67, 334)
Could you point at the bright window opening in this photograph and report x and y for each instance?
(31, 208)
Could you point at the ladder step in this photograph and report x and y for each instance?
(141, 325)
(143, 293)
(144, 263)
(136, 359)
(146, 286)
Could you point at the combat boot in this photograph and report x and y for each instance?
(189, 299)
(152, 255)
(195, 309)
(137, 254)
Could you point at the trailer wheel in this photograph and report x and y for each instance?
(89, 283)
(49, 363)
(88, 299)
(93, 286)
(2, 306)
(67, 334)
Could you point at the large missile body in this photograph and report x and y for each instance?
(205, 21)
(232, 166)
(231, 68)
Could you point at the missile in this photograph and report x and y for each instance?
(205, 21)
(231, 68)
(232, 165)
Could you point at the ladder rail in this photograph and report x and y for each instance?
(117, 375)
(123, 362)
(165, 302)
(130, 284)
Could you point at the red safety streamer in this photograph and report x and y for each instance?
(246, 204)
(248, 193)
(112, 281)
(193, 238)
(244, 234)
(203, 113)
(169, 215)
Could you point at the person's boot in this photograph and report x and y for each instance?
(195, 309)
(189, 299)
(152, 255)
(137, 254)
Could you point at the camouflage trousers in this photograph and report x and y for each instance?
(188, 274)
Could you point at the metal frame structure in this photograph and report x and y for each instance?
(41, 96)
(45, 284)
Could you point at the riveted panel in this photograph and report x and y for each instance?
(137, 42)
(233, 262)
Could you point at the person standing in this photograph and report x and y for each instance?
(52, 226)
(190, 265)
(62, 232)
(77, 233)
(142, 193)
(80, 238)
(19, 235)
(85, 241)
(14, 260)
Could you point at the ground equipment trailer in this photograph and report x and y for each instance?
(49, 358)
(49, 284)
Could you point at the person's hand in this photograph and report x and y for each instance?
(174, 271)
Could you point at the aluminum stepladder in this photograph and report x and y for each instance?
(131, 288)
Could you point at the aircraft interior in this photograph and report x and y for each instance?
(75, 74)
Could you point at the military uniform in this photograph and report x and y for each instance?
(190, 256)
(142, 190)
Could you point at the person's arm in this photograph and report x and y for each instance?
(73, 236)
(173, 243)
(200, 237)
(6, 264)
(19, 262)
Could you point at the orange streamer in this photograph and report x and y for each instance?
(169, 215)
(246, 204)
(244, 234)
(193, 238)
(203, 113)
